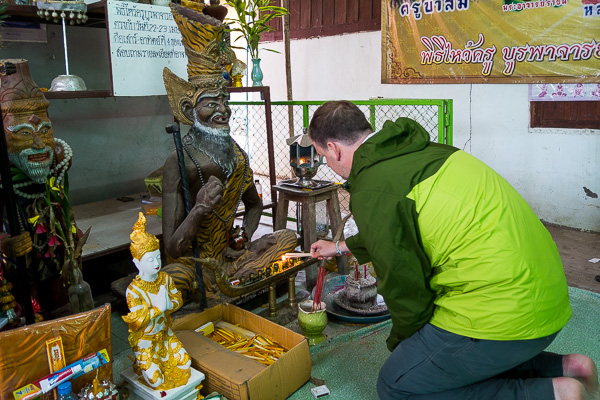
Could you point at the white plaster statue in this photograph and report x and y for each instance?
(161, 360)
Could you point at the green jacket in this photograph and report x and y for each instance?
(451, 241)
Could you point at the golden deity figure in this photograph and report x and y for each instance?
(161, 361)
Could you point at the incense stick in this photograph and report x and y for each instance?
(319, 288)
(296, 255)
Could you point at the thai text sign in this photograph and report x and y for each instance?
(143, 39)
(496, 41)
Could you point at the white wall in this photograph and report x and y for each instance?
(549, 167)
(118, 141)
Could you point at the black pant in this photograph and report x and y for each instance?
(435, 364)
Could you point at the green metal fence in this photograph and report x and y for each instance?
(248, 128)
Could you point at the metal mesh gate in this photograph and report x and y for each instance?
(248, 128)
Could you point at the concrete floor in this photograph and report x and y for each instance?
(578, 250)
(349, 360)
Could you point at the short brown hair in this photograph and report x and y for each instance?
(341, 121)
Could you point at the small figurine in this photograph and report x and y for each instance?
(99, 390)
(161, 360)
(238, 238)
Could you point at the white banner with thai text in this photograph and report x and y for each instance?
(143, 39)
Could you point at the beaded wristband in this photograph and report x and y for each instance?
(337, 248)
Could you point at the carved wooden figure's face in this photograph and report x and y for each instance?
(213, 113)
(30, 143)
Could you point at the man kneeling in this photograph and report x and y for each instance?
(471, 277)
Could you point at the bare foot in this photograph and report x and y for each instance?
(584, 370)
(568, 389)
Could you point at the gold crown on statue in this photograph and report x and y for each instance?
(142, 242)
(202, 38)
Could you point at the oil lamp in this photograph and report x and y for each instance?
(305, 161)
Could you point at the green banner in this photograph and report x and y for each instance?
(493, 41)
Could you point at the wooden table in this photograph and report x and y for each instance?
(112, 221)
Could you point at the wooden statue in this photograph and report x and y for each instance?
(161, 361)
(217, 169)
(39, 178)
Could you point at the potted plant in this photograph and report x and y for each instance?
(252, 19)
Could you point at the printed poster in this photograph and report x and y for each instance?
(493, 41)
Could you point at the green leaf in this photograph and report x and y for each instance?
(82, 240)
(273, 9)
(18, 175)
(269, 17)
(253, 16)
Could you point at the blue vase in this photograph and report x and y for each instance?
(257, 75)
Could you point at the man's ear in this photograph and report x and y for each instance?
(187, 109)
(137, 263)
(334, 147)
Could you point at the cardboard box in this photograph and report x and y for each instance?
(238, 377)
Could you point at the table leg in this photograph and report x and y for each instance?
(272, 301)
(282, 210)
(292, 290)
(335, 219)
(309, 235)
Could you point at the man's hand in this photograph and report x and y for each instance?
(323, 249)
(16, 246)
(209, 195)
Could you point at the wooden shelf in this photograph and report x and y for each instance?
(96, 13)
(83, 94)
(20, 13)
(90, 94)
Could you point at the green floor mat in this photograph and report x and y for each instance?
(349, 363)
